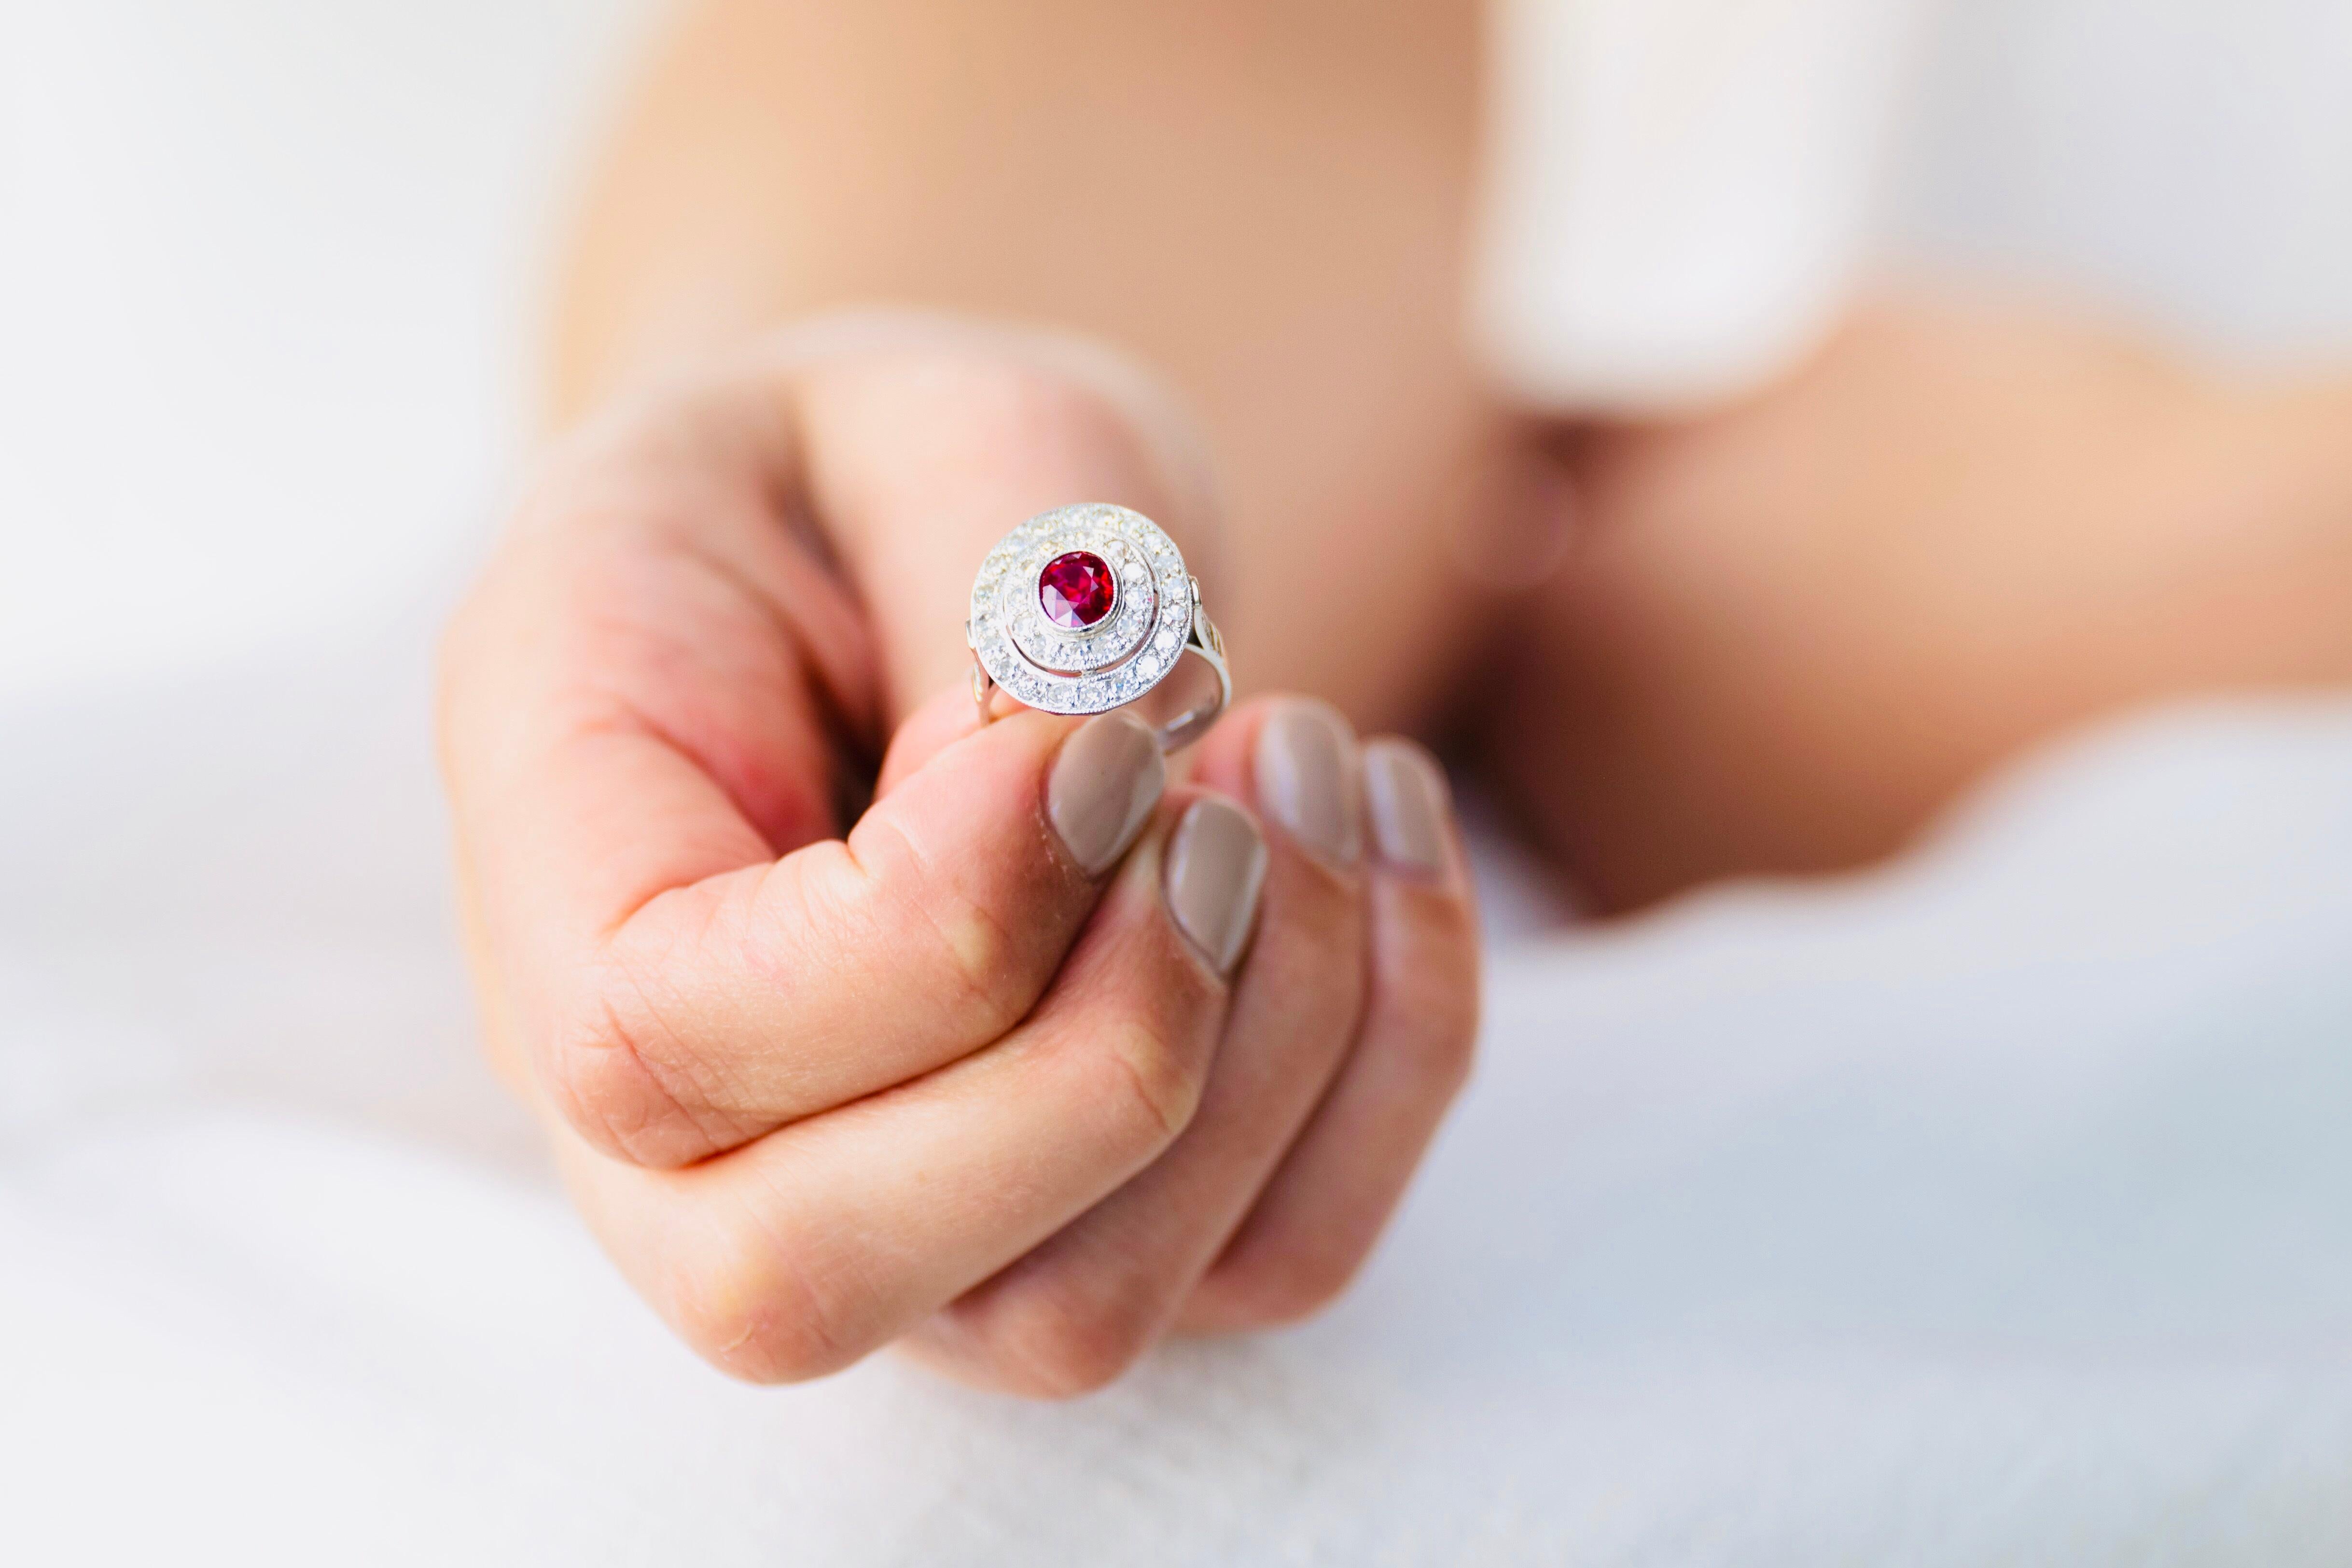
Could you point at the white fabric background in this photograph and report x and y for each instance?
(1679, 195)
(1993, 1210)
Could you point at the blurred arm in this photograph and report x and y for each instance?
(1266, 205)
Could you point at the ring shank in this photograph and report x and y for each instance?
(1205, 644)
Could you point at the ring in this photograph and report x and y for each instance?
(1088, 607)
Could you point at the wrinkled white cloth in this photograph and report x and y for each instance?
(1994, 1209)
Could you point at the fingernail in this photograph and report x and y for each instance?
(1102, 787)
(1216, 862)
(1407, 794)
(1307, 780)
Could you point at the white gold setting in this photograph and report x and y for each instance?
(1110, 640)
(1154, 619)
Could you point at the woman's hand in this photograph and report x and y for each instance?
(1046, 1057)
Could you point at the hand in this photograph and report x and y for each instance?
(1044, 1059)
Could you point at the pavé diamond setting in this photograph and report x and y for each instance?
(1087, 608)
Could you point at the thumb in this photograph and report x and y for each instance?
(927, 440)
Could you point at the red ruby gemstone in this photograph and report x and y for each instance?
(1076, 590)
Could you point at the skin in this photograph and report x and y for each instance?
(1777, 636)
(782, 161)
(931, 1081)
(1784, 634)
(1792, 631)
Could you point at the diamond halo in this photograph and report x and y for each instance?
(1095, 667)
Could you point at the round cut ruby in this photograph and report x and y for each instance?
(1076, 590)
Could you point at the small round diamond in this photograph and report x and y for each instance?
(1076, 590)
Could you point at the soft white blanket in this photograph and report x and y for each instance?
(1994, 1209)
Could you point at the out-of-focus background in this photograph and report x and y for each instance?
(1991, 1207)
(270, 273)
(269, 278)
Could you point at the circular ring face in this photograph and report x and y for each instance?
(1082, 608)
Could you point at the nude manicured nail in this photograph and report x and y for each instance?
(1307, 780)
(1216, 862)
(1102, 787)
(1406, 791)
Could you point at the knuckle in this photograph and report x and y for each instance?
(1270, 1290)
(977, 954)
(986, 985)
(746, 1301)
(1153, 1078)
(600, 1067)
(597, 1078)
(1055, 1341)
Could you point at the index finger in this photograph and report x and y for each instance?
(645, 711)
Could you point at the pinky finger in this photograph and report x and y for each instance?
(1315, 1221)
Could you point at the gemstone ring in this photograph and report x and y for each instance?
(1088, 607)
